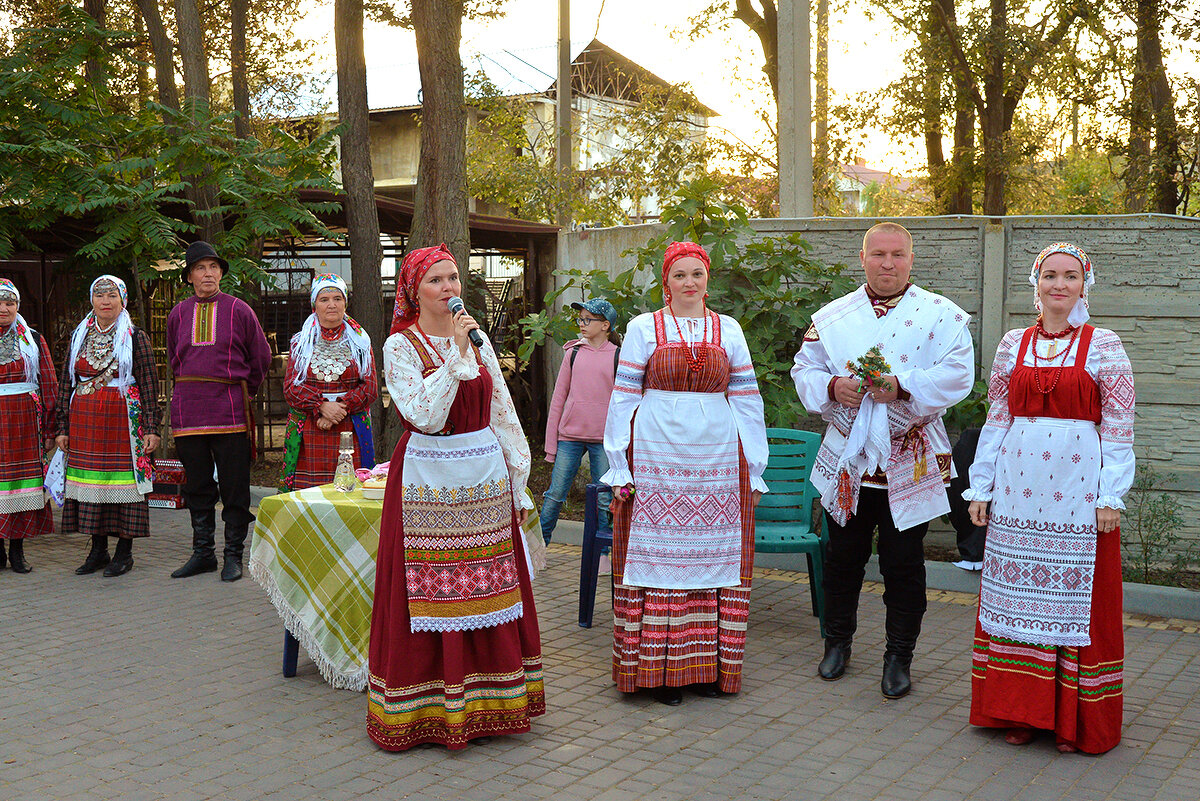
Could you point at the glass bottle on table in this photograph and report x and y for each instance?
(343, 476)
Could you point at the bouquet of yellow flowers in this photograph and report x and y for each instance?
(870, 368)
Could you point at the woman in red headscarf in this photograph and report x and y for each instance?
(455, 651)
(687, 474)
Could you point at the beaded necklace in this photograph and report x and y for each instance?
(1037, 373)
(695, 362)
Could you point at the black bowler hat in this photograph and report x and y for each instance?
(202, 250)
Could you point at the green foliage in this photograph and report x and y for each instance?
(970, 412)
(770, 285)
(108, 181)
(636, 152)
(1154, 551)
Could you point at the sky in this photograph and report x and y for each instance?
(722, 69)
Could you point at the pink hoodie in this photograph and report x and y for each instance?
(580, 403)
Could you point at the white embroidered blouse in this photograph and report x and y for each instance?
(425, 401)
(745, 402)
(1109, 367)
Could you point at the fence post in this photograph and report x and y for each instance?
(995, 275)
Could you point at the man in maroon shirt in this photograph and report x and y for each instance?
(219, 356)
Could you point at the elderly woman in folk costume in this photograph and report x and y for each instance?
(451, 661)
(687, 475)
(28, 388)
(330, 385)
(108, 425)
(1054, 459)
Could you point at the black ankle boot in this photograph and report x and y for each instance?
(235, 541)
(902, 628)
(16, 557)
(837, 654)
(122, 561)
(204, 530)
(97, 557)
(671, 696)
(896, 681)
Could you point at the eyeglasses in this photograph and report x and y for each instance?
(589, 320)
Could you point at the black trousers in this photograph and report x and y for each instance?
(901, 561)
(231, 455)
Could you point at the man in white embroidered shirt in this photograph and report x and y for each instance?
(885, 458)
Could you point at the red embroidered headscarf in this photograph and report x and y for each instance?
(416, 263)
(679, 250)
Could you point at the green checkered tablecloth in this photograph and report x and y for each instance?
(314, 553)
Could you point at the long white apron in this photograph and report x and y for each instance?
(686, 530)
(1040, 556)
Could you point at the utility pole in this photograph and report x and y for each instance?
(563, 113)
(795, 110)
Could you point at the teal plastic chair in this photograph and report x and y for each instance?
(784, 520)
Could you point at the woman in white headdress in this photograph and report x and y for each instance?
(330, 385)
(108, 425)
(28, 391)
(1053, 461)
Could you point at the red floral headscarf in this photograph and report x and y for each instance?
(679, 250)
(416, 263)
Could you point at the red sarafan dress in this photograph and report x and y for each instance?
(316, 461)
(450, 686)
(668, 636)
(1073, 690)
(26, 419)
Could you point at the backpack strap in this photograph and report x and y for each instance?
(616, 359)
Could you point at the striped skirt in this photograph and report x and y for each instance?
(1073, 691)
(675, 638)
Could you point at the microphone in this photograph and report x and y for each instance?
(455, 305)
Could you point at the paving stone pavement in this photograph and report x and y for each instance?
(144, 687)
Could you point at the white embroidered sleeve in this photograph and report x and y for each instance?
(1114, 376)
(424, 402)
(627, 395)
(983, 469)
(936, 389)
(745, 401)
(811, 372)
(507, 428)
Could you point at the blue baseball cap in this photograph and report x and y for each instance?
(598, 306)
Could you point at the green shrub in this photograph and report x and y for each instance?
(770, 285)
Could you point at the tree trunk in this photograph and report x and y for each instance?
(960, 195)
(164, 54)
(766, 27)
(823, 170)
(197, 102)
(1158, 106)
(96, 10)
(358, 182)
(440, 213)
(238, 11)
(995, 172)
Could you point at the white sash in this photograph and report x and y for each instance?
(686, 531)
(18, 388)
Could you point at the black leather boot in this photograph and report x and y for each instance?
(97, 557)
(203, 559)
(122, 561)
(841, 621)
(837, 654)
(16, 557)
(903, 628)
(235, 541)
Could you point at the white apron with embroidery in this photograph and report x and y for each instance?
(909, 335)
(686, 531)
(1040, 555)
